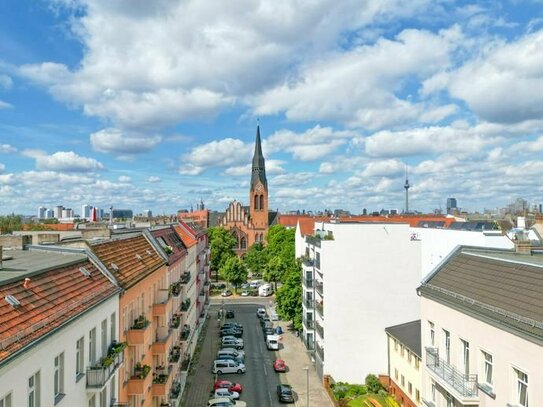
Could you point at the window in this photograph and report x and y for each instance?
(92, 346)
(5, 401)
(450, 400)
(432, 334)
(104, 337)
(417, 362)
(409, 356)
(396, 374)
(433, 392)
(521, 388)
(125, 321)
(113, 322)
(447, 343)
(403, 381)
(58, 376)
(410, 388)
(487, 368)
(465, 356)
(401, 350)
(395, 345)
(417, 395)
(80, 357)
(34, 390)
(92, 401)
(261, 202)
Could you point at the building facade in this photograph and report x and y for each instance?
(482, 329)
(249, 224)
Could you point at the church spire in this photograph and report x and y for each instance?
(259, 167)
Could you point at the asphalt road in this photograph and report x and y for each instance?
(260, 381)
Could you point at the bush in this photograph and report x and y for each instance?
(345, 390)
(373, 384)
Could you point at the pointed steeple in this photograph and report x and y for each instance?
(259, 167)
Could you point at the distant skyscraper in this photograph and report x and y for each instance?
(86, 211)
(49, 213)
(57, 211)
(451, 205)
(148, 213)
(42, 212)
(67, 213)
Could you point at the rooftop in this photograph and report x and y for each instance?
(408, 334)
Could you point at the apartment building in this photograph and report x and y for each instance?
(482, 329)
(358, 279)
(405, 363)
(59, 343)
(146, 318)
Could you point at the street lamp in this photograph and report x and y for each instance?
(307, 386)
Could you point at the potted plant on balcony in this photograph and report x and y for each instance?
(141, 371)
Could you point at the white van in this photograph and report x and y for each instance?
(272, 342)
(265, 289)
(228, 366)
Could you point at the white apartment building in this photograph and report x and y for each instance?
(482, 329)
(59, 328)
(358, 279)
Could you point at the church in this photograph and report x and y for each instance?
(249, 224)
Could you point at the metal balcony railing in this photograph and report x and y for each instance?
(99, 374)
(308, 282)
(320, 309)
(318, 287)
(320, 329)
(309, 303)
(465, 385)
(320, 350)
(185, 278)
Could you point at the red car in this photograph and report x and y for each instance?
(279, 365)
(225, 384)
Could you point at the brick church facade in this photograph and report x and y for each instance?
(249, 224)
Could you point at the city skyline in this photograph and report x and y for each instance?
(158, 108)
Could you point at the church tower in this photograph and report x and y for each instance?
(259, 188)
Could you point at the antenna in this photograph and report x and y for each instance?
(11, 300)
(406, 186)
(84, 271)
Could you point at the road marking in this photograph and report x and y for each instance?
(265, 370)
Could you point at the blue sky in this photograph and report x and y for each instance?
(140, 104)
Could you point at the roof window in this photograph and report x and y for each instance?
(11, 300)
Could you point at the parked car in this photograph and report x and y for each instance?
(267, 331)
(245, 293)
(229, 314)
(231, 332)
(279, 365)
(255, 283)
(264, 319)
(260, 312)
(228, 366)
(226, 293)
(229, 357)
(231, 342)
(285, 394)
(233, 324)
(226, 402)
(227, 384)
(245, 286)
(234, 351)
(234, 395)
(231, 354)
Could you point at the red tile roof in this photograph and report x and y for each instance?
(51, 300)
(130, 260)
(185, 236)
(173, 240)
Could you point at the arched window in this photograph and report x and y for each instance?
(235, 234)
(243, 242)
(256, 202)
(261, 202)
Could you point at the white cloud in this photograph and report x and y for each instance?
(383, 168)
(5, 81)
(2, 167)
(124, 179)
(33, 153)
(115, 141)
(67, 161)
(153, 179)
(7, 149)
(222, 153)
(5, 105)
(292, 179)
(272, 167)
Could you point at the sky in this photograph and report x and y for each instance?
(154, 104)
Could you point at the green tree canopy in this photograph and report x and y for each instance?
(281, 243)
(222, 247)
(289, 296)
(234, 271)
(275, 270)
(256, 258)
(10, 223)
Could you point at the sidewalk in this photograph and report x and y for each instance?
(295, 355)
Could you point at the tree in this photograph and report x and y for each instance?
(275, 270)
(373, 384)
(222, 248)
(234, 272)
(10, 223)
(288, 298)
(256, 258)
(281, 243)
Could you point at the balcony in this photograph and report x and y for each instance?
(320, 329)
(162, 382)
(175, 355)
(99, 374)
(319, 288)
(175, 393)
(309, 303)
(163, 340)
(320, 309)
(202, 296)
(185, 305)
(307, 262)
(185, 277)
(185, 333)
(308, 282)
(140, 380)
(185, 364)
(139, 333)
(309, 323)
(320, 350)
(163, 298)
(175, 322)
(175, 289)
(463, 387)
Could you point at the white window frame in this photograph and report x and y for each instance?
(80, 356)
(92, 346)
(113, 327)
(92, 401)
(6, 400)
(58, 375)
(450, 400)
(103, 337)
(432, 333)
(520, 382)
(487, 365)
(465, 356)
(447, 345)
(34, 397)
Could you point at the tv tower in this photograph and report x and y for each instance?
(406, 186)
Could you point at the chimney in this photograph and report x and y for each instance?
(26, 284)
(523, 247)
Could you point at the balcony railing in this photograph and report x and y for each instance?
(320, 329)
(175, 289)
(185, 305)
(185, 277)
(308, 262)
(309, 323)
(464, 385)
(308, 282)
(309, 303)
(320, 350)
(185, 332)
(98, 375)
(318, 287)
(320, 309)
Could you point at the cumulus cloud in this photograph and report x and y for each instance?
(124, 179)
(67, 161)
(5, 81)
(222, 153)
(292, 179)
(115, 141)
(2, 167)
(153, 179)
(272, 167)
(7, 149)
(5, 105)
(383, 168)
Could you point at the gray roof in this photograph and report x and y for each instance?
(408, 334)
(272, 218)
(259, 166)
(22, 263)
(498, 286)
(214, 218)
